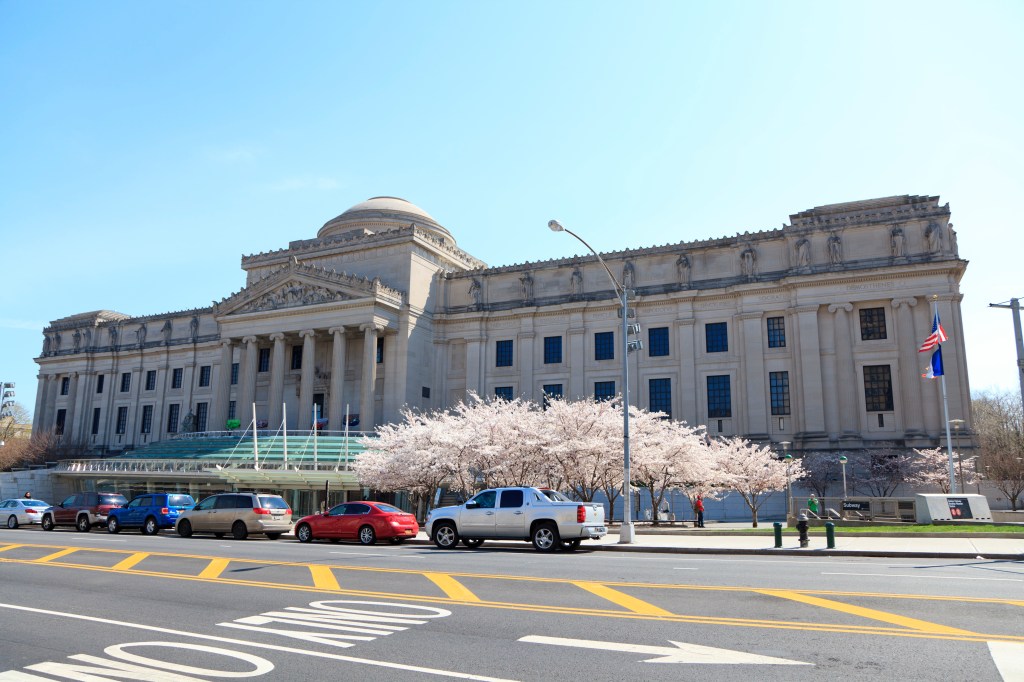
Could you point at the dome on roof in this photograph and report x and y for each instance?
(379, 214)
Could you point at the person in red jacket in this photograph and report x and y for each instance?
(698, 507)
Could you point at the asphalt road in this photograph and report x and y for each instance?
(80, 606)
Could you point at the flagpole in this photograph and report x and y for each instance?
(945, 406)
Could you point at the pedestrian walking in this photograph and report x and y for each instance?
(698, 506)
(812, 504)
(28, 496)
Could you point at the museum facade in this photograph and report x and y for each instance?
(807, 334)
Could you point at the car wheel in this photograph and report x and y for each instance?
(273, 536)
(472, 543)
(367, 535)
(218, 535)
(239, 531)
(397, 541)
(113, 525)
(571, 545)
(304, 533)
(185, 529)
(545, 537)
(149, 527)
(47, 522)
(82, 524)
(445, 536)
(12, 521)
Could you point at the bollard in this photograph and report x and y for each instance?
(801, 526)
(830, 535)
(778, 534)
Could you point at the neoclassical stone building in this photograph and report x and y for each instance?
(807, 333)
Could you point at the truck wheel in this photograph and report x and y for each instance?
(472, 543)
(184, 528)
(545, 537)
(82, 524)
(445, 536)
(47, 522)
(149, 526)
(571, 545)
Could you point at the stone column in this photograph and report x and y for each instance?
(38, 414)
(305, 419)
(50, 402)
(247, 380)
(754, 378)
(527, 343)
(336, 404)
(71, 417)
(219, 409)
(577, 361)
(846, 377)
(475, 353)
(275, 396)
(910, 379)
(369, 380)
(811, 398)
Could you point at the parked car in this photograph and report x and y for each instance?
(149, 512)
(239, 514)
(363, 521)
(19, 511)
(82, 510)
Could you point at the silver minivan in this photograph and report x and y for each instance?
(239, 514)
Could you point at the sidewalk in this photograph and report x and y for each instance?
(712, 541)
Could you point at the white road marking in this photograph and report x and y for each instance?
(934, 577)
(680, 652)
(244, 643)
(357, 554)
(683, 568)
(1009, 660)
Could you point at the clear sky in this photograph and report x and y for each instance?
(146, 146)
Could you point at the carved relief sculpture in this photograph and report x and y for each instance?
(113, 335)
(166, 331)
(628, 275)
(952, 240)
(77, 340)
(748, 261)
(88, 339)
(897, 243)
(933, 236)
(474, 292)
(835, 250)
(576, 283)
(683, 269)
(56, 341)
(803, 253)
(526, 284)
(46, 344)
(193, 326)
(140, 335)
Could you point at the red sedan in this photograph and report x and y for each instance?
(363, 521)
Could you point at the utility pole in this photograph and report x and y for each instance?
(1014, 306)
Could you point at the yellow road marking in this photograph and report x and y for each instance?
(125, 564)
(622, 599)
(214, 568)
(452, 587)
(57, 555)
(895, 619)
(7, 547)
(323, 577)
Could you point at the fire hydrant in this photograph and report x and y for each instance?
(801, 526)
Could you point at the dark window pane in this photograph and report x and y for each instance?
(99, 384)
(604, 390)
(503, 392)
(604, 346)
(204, 375)
(503, 354)
(779, 388)
(872, 324)
(151, 380)
(716, 336)
(661, 396)
(657, 341)
(776, 332)
(176, 377)
(234, 373)
(147, 419)
(380, 349)
(511, 499)
(719, 397)
(202, 412)
(122, 420)
(296, 357)
(126, 382)
(263, 362)
(878, 388)
(552, 350)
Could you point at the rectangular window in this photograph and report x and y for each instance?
(202, 412)
(126, 382)
(425, 391)
(172, 418)
(877, 388)
(122, 420)
(716, 337)
(65, 385)
(151, 381)
(503, 354)
(661, 396)
(232, 410)
(657, 341)
(296, 357)
(552, 350)
(604, 346)
(719, 397)
(95, 421)
(776, 332)
(263, 362)
(176, 377)
(234, 373)
(503, 392)
(380, 349)
(872, 324)
(99, 383)
(553, 390)
(147, 419)
(778, 383)
(204, 376)
(58, 428)
(604, 390)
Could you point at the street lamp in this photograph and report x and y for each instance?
(957, 424)
(626, 532)
(843, 460)
(789, 485)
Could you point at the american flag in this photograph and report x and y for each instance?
(937, 336)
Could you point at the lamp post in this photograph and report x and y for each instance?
(843, 460)
(789, 483)
(626, 532)
(957, 424)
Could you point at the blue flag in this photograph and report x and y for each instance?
(934, 368)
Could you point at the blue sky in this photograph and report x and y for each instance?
(159, 142)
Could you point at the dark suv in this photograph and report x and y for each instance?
(82, 510)
(149, 512)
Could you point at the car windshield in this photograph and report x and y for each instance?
(180, 501)
(554, 495)
(388, 509)
(272, 502)
(116, 500)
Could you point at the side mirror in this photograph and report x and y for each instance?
(472, 505)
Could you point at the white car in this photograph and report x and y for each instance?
(17, 511)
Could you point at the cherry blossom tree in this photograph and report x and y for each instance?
(752, 470)
(663, 454)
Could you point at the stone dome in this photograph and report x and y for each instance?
(379, 214)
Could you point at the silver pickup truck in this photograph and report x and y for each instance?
(547, 518)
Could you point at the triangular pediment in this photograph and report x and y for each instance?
(297, 285)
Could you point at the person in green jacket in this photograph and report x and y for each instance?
(812, 504)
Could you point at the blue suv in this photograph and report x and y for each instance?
(149, 512)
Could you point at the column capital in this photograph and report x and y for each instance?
(371, 326)
(845, 307)
(334, 331)
(227, 342)
(897, 302)
(248, 339)
(277, 336)
(307, 332)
